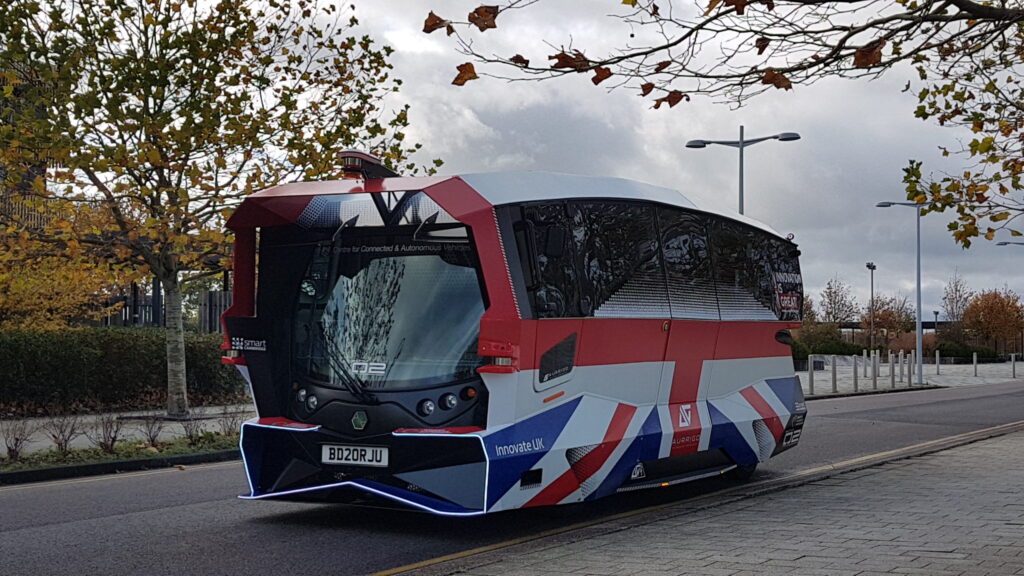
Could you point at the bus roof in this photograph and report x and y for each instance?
(497, 188)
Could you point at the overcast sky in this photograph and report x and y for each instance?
(856, 138)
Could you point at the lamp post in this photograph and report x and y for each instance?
(741, 144)
(871, 310)
(920, 331)
(936, 312)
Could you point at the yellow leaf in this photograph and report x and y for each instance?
(148, 20)
(999, 217)
(629, 2)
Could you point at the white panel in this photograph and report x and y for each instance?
(502, 393)
(726, 377)
(637, 383)
(509, 187)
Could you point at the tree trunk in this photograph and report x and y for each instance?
(177, 393)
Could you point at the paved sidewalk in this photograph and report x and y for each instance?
(956, 512)
(949, 375)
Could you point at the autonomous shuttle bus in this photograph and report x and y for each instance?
(476, 343)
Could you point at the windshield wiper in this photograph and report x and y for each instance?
(339, 365)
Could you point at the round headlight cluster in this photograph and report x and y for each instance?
(449, 401)
(311, 402)
(426, 407)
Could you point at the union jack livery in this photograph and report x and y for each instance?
(476, 343)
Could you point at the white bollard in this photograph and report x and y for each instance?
(891, 367)
(936, 362)
(901, 366)
(810, 374)
(855, 385)
(874, 371)
(834, 387)
(864, 354)
(975, 357)
(1013, 365)
(892, 374)
(911, 367)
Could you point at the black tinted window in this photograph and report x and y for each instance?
(757, 274)
(691, 284)
(617, 253)
(546, 249)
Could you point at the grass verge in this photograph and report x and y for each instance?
(128, 450)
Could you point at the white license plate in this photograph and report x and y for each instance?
(354, 455)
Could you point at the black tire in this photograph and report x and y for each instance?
(743, 473)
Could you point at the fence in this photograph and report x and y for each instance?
(212, 304)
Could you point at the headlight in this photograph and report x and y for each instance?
(449, 401)
(426, 407)
(311, 402)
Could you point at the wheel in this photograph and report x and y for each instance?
(743, 473)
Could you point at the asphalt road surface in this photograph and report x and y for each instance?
(190, 521)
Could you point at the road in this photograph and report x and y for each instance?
(190, 521)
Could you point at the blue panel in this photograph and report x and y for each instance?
(522, 445)
(724, 435)
(433, 504)
(462, 484)
(788, 390)
(643, 448)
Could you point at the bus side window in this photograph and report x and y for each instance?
(685, 241)
(617, 248)
(744, 277)
(555, 286)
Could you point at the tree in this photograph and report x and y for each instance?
(166, 113)
(995, 315)
(955, 298)
(893, 315)
(837, 304)
(967, 56)
(807, 313)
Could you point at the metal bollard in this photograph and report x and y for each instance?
(864, 354)
(936, 362)
(1013, 365)
(810, 375)
(834, 387)
(874, 371)
(975, 355)
(891, 367)
(892, 373)
(912, 367)
(901, 366)
(855, 386)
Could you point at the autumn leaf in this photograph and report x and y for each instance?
(518, 60)
(576, 61)
(449, 30)
(662, 65)
(655, 10)
(433, 22)
(761, 44)
(629, 2)
(739, 5)
(466, 73)
(776, 79)
(869, 54)
(600, 75)
(483, 17)
(769, 4)
(672, 98)
(711, 6)
(646, 89)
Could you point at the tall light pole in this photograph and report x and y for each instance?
(741, 144)
(871, 310)
(920, 331)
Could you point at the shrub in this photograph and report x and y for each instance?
(958, 350)
(107, 368)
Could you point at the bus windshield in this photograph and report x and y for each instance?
(388, 312)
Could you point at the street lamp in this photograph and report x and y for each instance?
(920, 331)
(871, 310)
(936, 312)
(741, 144)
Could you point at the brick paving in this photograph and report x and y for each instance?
(956, 512)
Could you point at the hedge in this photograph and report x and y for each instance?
(105, 368)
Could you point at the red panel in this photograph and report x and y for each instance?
(771, 419)
(243, 296)
(279, 422)
(258, 211)
(470, 208)
(620, 340)
(552, 331)
(690, 344)
(750, 340)
(568, 482)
